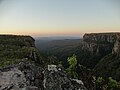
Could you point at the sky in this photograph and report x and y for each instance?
(59, 17)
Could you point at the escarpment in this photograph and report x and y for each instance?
(107, 46)
(14, 48)
(98, 45)
(22, 67)
(17, 40)
(116, 48)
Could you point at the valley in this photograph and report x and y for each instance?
(92, 58)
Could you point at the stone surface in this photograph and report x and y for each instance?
(101, 37)
(98, 43)
(26, 76)
(13, 78)
(116, 48)
(52, 68)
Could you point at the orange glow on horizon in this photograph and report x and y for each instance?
(56, 32)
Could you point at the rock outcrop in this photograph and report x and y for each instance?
(27, 76)
(97, 45)
(100, 43)
(107, 46)
(101, 37)
(116, 48)
(23, 76)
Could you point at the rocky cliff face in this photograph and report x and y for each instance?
(99, 43)
(26, 76)
(107, 46)
(116, 48)
(101, 37)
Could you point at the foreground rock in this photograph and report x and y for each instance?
(26, 76)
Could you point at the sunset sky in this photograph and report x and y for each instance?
(59, 17)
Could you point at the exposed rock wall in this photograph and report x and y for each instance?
(116, 48)
(99, 43)
(96, 46)
(101, 37)
(107, 46)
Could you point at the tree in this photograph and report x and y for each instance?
(72, 66)
(72, 61)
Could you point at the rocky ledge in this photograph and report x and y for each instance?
(27, 76)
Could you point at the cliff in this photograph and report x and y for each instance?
(18, 40)
(101, 37)
(116, 48)
(107, 47)
(19, 61)
(97, 45)
(14, 48)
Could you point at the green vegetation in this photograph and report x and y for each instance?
(107, 84)
(14, 49)
(109, 69)
(73, 66)
(109, 66)
(78, 71)
(62, 49)
(100, 82)
(65, 48)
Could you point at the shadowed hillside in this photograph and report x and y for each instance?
(15, 48)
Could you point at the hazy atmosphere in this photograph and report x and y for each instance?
(59, 17)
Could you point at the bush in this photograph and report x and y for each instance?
(72, 66)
